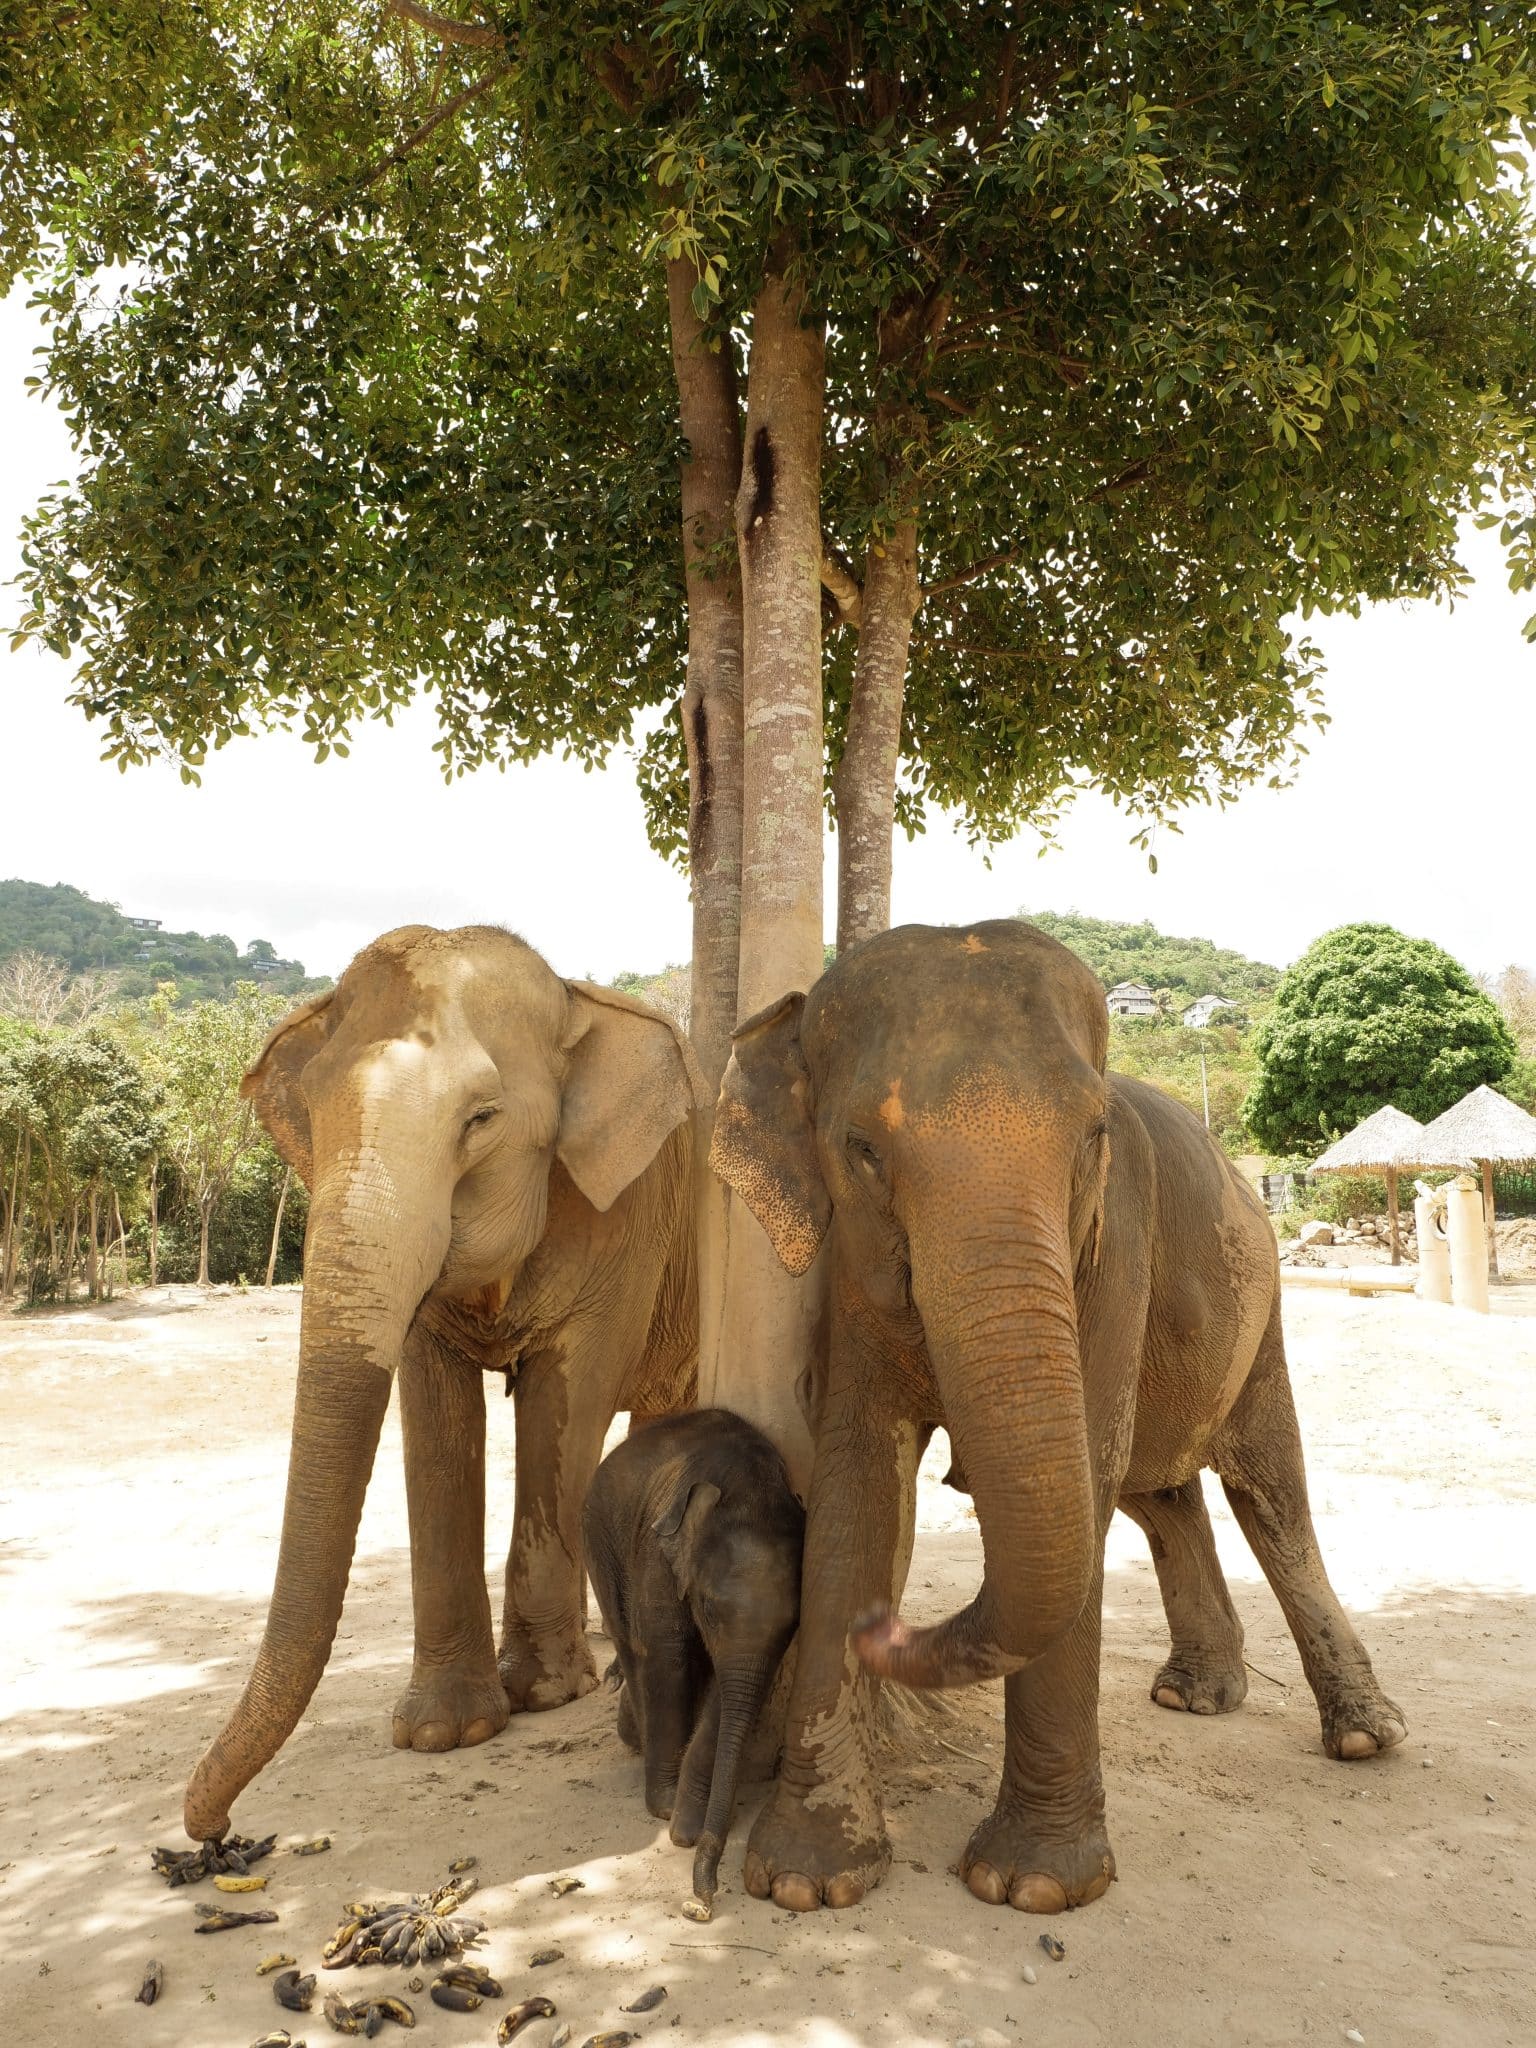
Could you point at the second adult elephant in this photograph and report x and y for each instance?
(500, 1174)
(1064, 1270)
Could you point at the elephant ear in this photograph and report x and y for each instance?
(631, 1081)
(275, 1079)
(765, 1133)
(680, 1530)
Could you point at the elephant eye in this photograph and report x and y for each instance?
(863, 1154)
(481, 1116)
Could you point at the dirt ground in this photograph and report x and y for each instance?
(1265, 1895)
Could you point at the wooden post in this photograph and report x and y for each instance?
(1493, 1242)
(1391, 1176)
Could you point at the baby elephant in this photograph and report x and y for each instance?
(693, 1540)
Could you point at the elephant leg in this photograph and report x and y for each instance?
(564, 1406)
(1204, 1673)
(665, 1676)
(1044, 1846)
(820, 1839)
(1258, 1454)
(455, 1696)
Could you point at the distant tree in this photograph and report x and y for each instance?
(1366, 1016)
(201, 1054)
(40, 991)
(1514, 990)
(668, 991)
(77, 1122)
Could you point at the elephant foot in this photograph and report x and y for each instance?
(1201, 1682)
(1011, 1861)
(1360, 1721)
(538, 1673)
(448, 1707)
(832, 1856)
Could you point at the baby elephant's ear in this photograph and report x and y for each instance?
(765, 1133)
(680, 1529)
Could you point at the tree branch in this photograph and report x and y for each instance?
(982, 568)
(839, 580)
(473, 34)
(445, 112)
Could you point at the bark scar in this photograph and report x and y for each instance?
(765, 465)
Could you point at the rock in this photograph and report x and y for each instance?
(1029, 1973)
(1315, 1233)
(1354, 2034)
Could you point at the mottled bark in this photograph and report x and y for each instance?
(864, 788)
(763, 1337)
(710, 416)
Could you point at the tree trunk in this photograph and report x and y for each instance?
(204, 1217)
(92, 1259)
(69, 1249)
(865, 784)
(710, 415)
(763, 1339)
(19, 1174)
(154, 1221)
(122, 1239)
(277, 1222)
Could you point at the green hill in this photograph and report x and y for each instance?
(81, 933)
(1140, 952)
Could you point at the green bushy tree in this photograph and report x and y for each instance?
(1366, 1016)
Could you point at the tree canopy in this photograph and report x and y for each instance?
(1161, 326)
(1366, 1016)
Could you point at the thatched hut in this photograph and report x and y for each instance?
(1485, 1129)
(1385, 1143)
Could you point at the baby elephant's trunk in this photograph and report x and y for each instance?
(735, 1701)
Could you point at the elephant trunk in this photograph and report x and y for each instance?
(367, 1266)
(743, 1690)
(1001, 1322)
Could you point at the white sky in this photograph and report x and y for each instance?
(1415, 808)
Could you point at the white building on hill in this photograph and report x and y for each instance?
(1131, 999)
(1203, 1012)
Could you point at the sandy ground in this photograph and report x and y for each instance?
(1265, 1894)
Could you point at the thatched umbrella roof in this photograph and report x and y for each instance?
(1386, 1140)
(1483, 1128)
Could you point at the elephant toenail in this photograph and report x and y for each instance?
(987, 1885)
(796, 1894)
(754, 1875)
(1167, 1697)
(844, 1891)
(1357, 1744)
(479, 1731)
(1037, 1893)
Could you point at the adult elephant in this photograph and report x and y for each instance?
(1064, 1270)
(499, 1165)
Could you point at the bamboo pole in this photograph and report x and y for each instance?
(1391, 1177)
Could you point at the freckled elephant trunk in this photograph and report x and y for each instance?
(367, 1266)
(1001, 1323)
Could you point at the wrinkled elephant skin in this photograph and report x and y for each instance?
(693, 1539)
(1062, 1269)
(500, 1175)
